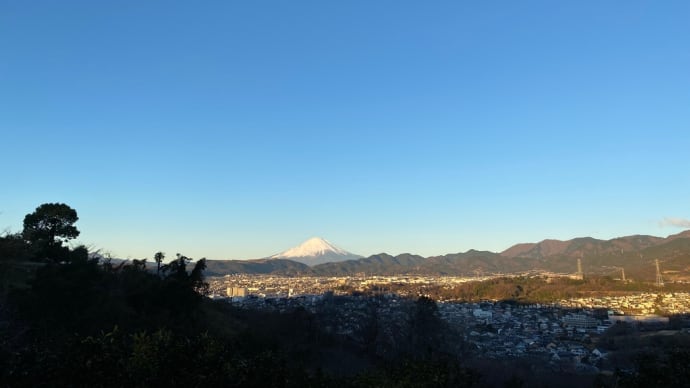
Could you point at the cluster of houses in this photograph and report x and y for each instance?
(557, 335)
(268, 286)
(562, 334)
(645, 303)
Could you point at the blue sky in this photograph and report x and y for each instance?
(239, 129)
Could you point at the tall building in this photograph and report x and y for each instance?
(236, 292)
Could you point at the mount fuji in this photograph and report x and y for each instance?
(316, 251)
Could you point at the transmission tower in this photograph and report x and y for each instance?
(623, 274)
(579, 269)
(659, 280)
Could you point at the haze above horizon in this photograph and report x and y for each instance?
(235, 130)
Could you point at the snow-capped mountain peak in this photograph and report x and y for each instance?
(316, 251)
(315, 246)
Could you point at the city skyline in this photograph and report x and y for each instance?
(236, 131)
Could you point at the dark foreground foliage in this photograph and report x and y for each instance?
(69, 320)
(84, 323)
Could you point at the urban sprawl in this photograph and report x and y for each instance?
(563, 333)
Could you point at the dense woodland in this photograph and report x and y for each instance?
(68, 318)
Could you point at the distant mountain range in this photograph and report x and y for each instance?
(636, 254)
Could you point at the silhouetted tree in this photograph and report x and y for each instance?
(13, 251)
(176, 269)
(197, 277)
(79, 254)
(182, 291)
(158, 257)
(48, 227)
(13, 247)
(139, 264)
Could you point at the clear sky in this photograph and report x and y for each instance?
(237, 129)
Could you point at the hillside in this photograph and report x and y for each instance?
(381, 264)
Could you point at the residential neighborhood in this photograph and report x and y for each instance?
(564, 334)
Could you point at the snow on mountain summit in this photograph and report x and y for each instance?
(316, 251)
(315, 246)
